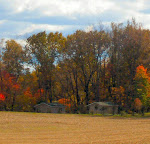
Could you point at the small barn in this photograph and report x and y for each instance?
(49, 108)
(103, 108)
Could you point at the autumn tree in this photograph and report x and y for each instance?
(1, 65)
(11, 89)
(29, 91)
(137, 104)
(125, 54)
(79, 69)
(142, 85)
(44, 49)
(13, 60)
(144, 57)
(85, 51)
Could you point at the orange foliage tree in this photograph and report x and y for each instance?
(65, 102)
(25, 101)
(142, 84)
(119, 96)
(137, 104)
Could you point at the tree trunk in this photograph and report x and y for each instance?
(87, 95)
(13, 102)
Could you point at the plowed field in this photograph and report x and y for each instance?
(30, 128)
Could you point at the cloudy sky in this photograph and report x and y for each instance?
(19, 19)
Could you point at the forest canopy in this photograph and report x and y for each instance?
(84, 67)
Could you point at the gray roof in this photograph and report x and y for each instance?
(103, 104)
(55, 104)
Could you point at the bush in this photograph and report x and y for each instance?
(129, 112)
(82, 109)
(123, 113)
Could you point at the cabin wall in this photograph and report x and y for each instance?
(57, 110)
(99, 109)
(44, 108)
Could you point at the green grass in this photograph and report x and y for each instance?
(146, 115)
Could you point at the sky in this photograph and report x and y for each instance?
(20, 19)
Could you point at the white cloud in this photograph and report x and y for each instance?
(22, 30)
(70, 7)
(49, 28)
(58, 7)
(22, 42)
(29, 66)
(2, 21)
(76, 10)
(15, 6)
(42, 27)
(89, 28)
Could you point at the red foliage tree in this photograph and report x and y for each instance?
(10, 88)
(2, 97)
(39, 95)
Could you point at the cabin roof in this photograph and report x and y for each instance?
(103, 104)
(55, 104)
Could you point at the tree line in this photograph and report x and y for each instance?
(84, 67)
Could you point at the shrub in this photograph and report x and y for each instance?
(123, 113)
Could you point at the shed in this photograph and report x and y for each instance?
(50, 108)
(103, 108)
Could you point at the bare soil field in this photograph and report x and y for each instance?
(35, 128)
